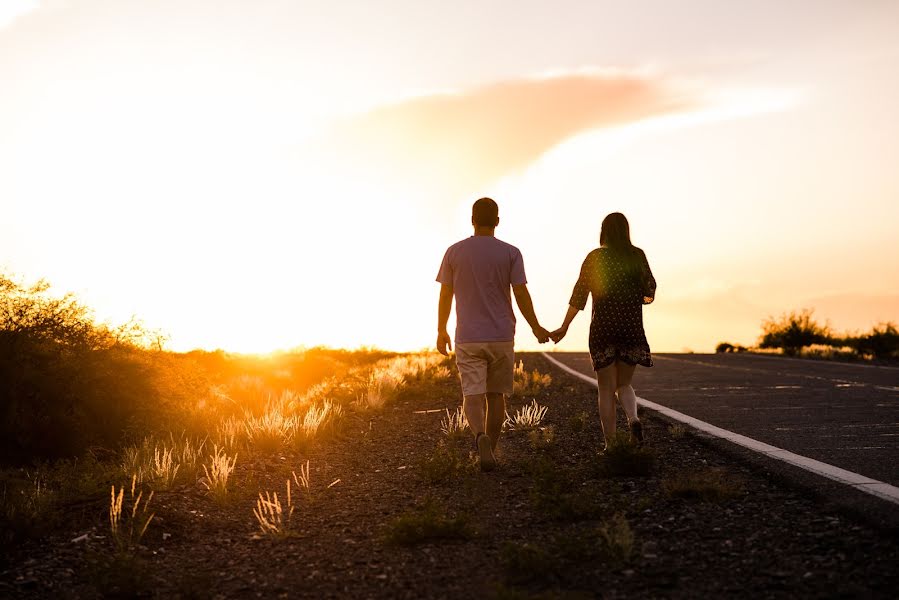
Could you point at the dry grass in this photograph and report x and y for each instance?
(273, 517)
(303, 480)
(455, 424)
(218, 472)
(527, 417)
(230, 433)
(708, 485)
(529, 383)
(616, 539)
(677, 431)
(127, 527)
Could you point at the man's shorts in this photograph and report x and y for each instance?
(486, 367)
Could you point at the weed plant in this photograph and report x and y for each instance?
(446, 464)
(707, 485)
(428, 523)
(557, 494)
(578, 422)
(527, 563)
(624, 458)
(677, 431)
(543, 439)
(616, 539)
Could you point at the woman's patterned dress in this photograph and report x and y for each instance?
(621, 283)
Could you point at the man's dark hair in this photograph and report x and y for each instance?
(485, 212)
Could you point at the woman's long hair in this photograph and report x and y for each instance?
(615, 234)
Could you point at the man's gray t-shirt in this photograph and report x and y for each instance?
(481, 270)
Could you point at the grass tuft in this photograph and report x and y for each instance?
(616, 539)
(677, 431)
(708, 485)
(529, 383)
(455, 424)
(624, 458)
(446, 464)
(273, 517)
(527, 417)
(218, 472)
(427, 523)
(528, 563)
(127, 527)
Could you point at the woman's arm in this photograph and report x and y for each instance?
(559, 333)
(578, 298)
(649, 282)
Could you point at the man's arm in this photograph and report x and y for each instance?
(444, 305)
(526, 306)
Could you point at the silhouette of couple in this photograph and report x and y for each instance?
(480, 271)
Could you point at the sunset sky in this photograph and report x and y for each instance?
(266, 174)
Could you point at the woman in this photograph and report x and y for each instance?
(618, 276)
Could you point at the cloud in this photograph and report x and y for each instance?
(471, 137)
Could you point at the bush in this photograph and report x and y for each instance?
(68, 383)
(725, 347)
(882, 342)
(793, 331)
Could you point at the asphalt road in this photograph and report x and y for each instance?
(843, 414)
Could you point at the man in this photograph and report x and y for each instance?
(479, 272)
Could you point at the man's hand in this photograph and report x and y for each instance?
(444, 343)
(557, 335)
(541, 334)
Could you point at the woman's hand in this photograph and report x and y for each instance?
(557, 335)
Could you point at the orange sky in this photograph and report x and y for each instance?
(262, 175)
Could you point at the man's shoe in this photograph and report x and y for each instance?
(485, 452)
(637, 432)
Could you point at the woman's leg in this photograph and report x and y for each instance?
(606, 382)
(624, 373)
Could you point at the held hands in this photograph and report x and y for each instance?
(557, 335)
(541, 334)
(444, 343)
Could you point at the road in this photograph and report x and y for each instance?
(843, 414)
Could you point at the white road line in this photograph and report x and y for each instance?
(865, 484)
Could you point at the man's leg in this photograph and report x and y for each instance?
(474, 407)
(496, 416)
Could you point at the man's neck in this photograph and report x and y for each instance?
(484, 231)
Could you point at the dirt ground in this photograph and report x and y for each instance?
(553, 521)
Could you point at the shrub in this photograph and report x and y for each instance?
(68, 382)
(882, 342)
(793, 331)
